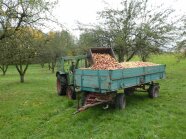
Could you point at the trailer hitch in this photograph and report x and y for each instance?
(93, 99)
(83, 108)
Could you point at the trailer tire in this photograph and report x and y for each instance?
(61, 85)
(71, 93)
(120, 101)
(154, 91)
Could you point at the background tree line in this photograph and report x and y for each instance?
(136, 28)
(30, 46)
(22, 41)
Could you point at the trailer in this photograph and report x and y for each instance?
(103, 81)
(101, 86)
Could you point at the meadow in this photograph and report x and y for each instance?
(33, 109)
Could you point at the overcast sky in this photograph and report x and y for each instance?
(69, 12)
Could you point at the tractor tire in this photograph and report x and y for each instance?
(120, 101)
(71, 93)
(61, 85)
(153, 91)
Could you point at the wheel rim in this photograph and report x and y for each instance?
(124, 103)
(156, 92)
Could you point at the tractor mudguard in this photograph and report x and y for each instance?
(60, 73)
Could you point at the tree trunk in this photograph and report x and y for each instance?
(144, 57)
(4, 73)
(42, 65)
(4, 69)
(22, 78)
(121, 55)
(86, 63)
(53, 67)
(49, 67)
(131, 56)
(53, 70)
(121, 58)
(22, 71)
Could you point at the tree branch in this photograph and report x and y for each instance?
(25, 69)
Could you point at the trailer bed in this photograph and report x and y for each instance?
(103, 81)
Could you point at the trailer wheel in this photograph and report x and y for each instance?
(71, 93)
(129, 91)
(120, 101)
(154, 91)
(61, 85)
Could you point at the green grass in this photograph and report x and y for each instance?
(33, 110)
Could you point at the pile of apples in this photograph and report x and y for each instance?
(107, 62)
(136, 64)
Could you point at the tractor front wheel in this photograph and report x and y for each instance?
(61, 85)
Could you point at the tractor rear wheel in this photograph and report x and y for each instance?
(71, 93)
(61, 85)
(120, 101)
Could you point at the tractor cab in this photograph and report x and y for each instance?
(65, 73)
(66, 69)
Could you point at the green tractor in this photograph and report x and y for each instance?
(67, 65)
(65, 73)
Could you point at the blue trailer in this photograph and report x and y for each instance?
(101, 86)
(105, 86)
(103, 81)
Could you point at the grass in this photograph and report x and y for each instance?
(33, 110)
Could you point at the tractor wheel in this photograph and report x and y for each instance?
(129, 91)
(120, 101)
(71, 93)
(61, 85)
(153, 91)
